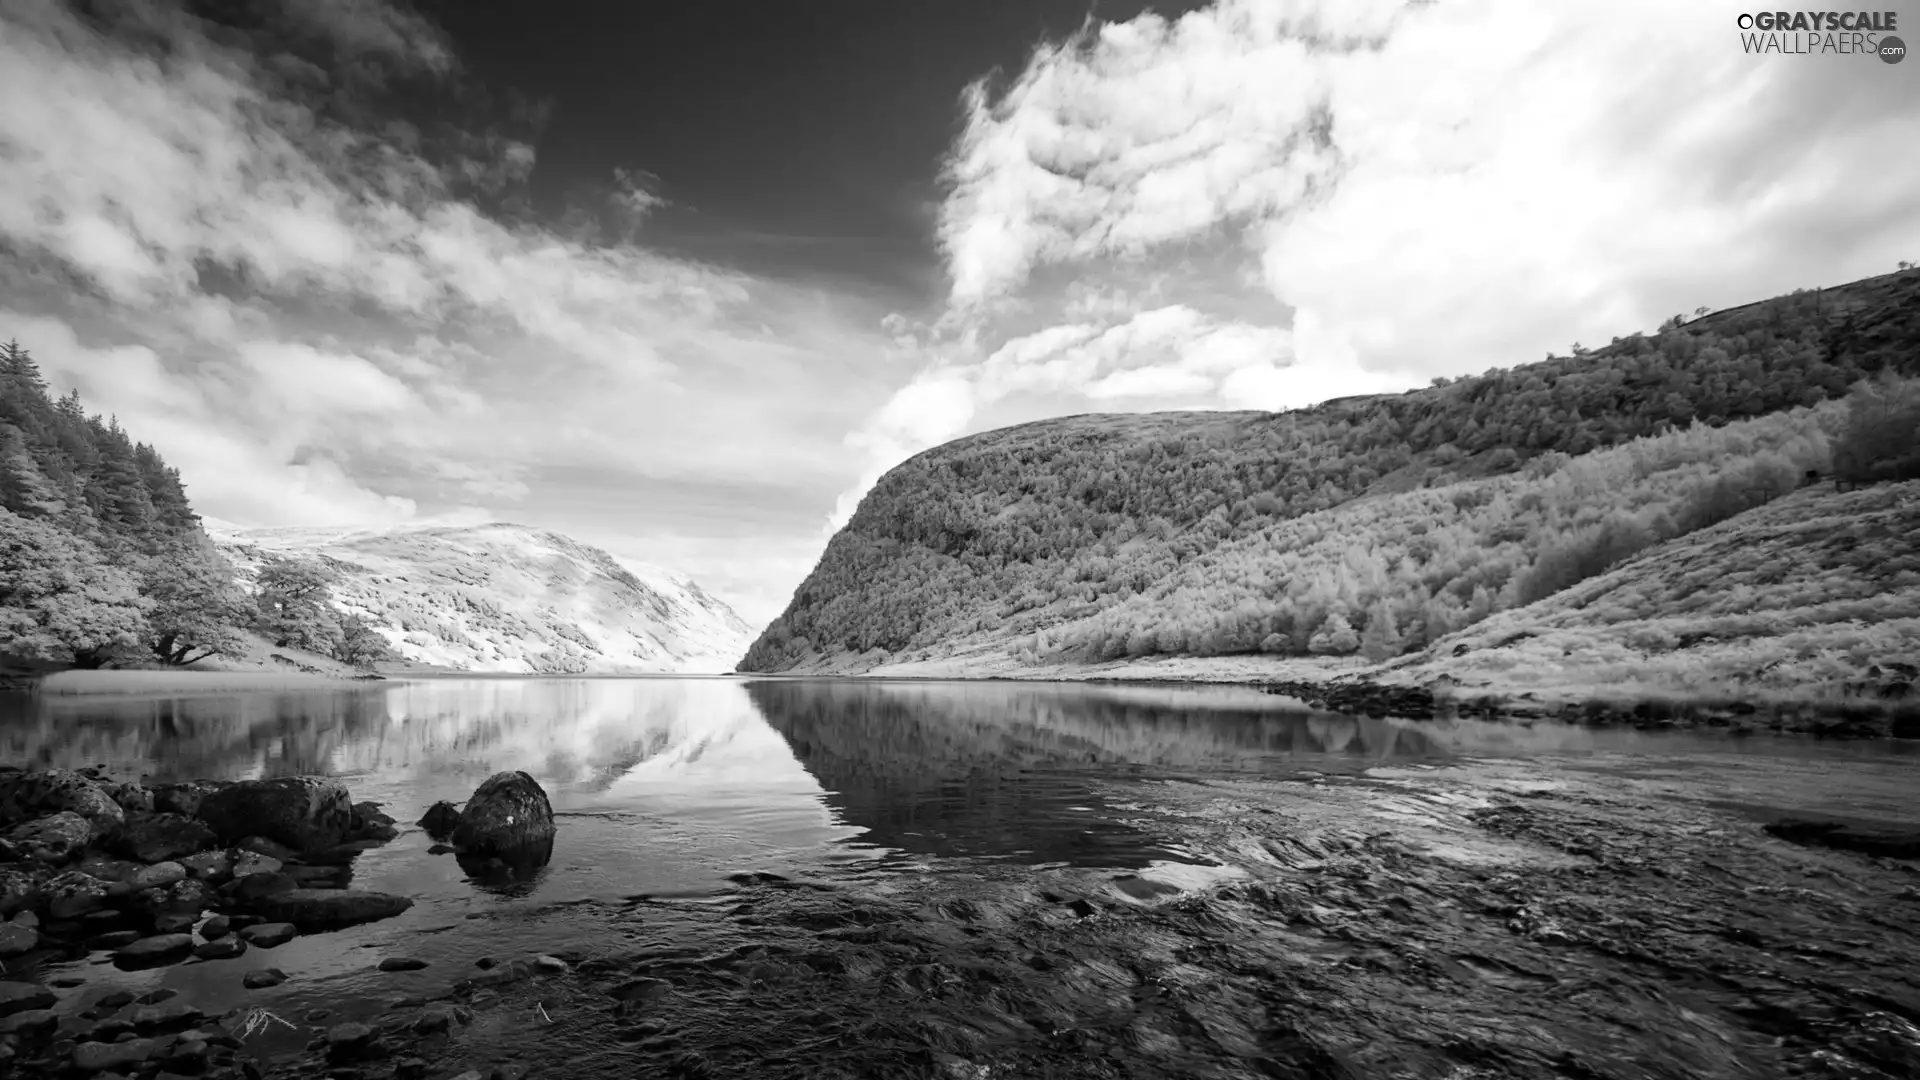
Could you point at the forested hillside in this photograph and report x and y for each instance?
(104, 563)
(1369, 525)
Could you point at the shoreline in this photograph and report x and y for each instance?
(136, 682)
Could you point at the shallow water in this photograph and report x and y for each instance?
(666, 786)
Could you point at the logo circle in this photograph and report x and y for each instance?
(1892, 50)
(1744, 22)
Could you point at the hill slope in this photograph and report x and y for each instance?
(1370, 527)
(507, 598)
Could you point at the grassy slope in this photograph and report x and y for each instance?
(1814, 597)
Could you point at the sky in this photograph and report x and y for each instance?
(682, 280)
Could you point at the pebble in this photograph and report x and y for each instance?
(260, 980)
(402, 963)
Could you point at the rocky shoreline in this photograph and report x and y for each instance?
(203, 871)
(1475, 921)
(1860, 720)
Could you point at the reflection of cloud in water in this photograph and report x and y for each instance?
(592, 738)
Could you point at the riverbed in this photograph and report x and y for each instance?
(873, 878)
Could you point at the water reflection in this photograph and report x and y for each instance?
(1003, 770)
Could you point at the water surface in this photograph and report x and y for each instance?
(666, 786)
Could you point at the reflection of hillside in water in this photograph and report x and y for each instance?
(240, 735)
(936, 768)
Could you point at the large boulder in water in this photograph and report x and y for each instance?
(25, 795)
(306, 813)
(185, 797)
(508, 815)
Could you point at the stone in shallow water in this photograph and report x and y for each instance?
(30, 1023)
(270, 935)
(30, 794)
(441, 819)
(509, 813)
(306, 813)
(216, 928)
(94, 1057)
(248, 863)
(15, 940)
(402, 963)
(23, 996)
(260, 980)
(330, 909)
(156, 951)
(225, 948)
(212, 866)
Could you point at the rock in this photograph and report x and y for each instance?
(94, 1057)
(351, 1042)
(367, 815)
(158, 876)
(330, 909)
(320, 877)
(73, 894)
(551, 965)
(175, 922)
(272, 849)
(402, 963)
(27, 795)
(156, 951)
(225, 948)
(210, 866)
(442, 849)
(184, 798)
(254, 887)
(114, 939)
(265, 977)
(306, 813)
(55, 839)
(153, 838)
(131, 797)
(188, 1057)
(15, 940)
(186, 896)
(17, 997)
(31, 1024)
(216, 928)
(269, 935)
(118, 999)
(165, 1017)
(19, 889)
(508, 813)
(106, 867)
(249, 863)
(441, 819)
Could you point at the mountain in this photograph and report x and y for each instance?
(1372, 527)
(508, 598)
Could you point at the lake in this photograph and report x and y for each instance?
(666, 788)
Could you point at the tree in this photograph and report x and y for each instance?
(1381, 639)
(60, 600)
(1334, 638)
(198, 608)
(1878, 442)
(360, 644)
(293, 602)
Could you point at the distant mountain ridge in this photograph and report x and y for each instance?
(509, 598)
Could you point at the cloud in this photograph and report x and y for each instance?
(238, 240)
(1376, 192)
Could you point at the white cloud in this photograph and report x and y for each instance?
(308, 319)
(1391, 191)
